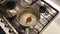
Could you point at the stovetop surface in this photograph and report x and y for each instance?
(47, 13)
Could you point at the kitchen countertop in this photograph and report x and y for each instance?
(54, 26)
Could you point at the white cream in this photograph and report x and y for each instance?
(24, 17)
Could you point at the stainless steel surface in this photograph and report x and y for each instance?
(45, 18)
(7, 28)
(27, 31)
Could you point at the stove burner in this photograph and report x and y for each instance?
(42, 9)
(10, 5)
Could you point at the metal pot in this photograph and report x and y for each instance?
(28, 16)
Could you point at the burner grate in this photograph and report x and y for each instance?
(45, 17)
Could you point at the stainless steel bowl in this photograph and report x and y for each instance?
(27, 10)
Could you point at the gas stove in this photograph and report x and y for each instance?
(40, 11)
